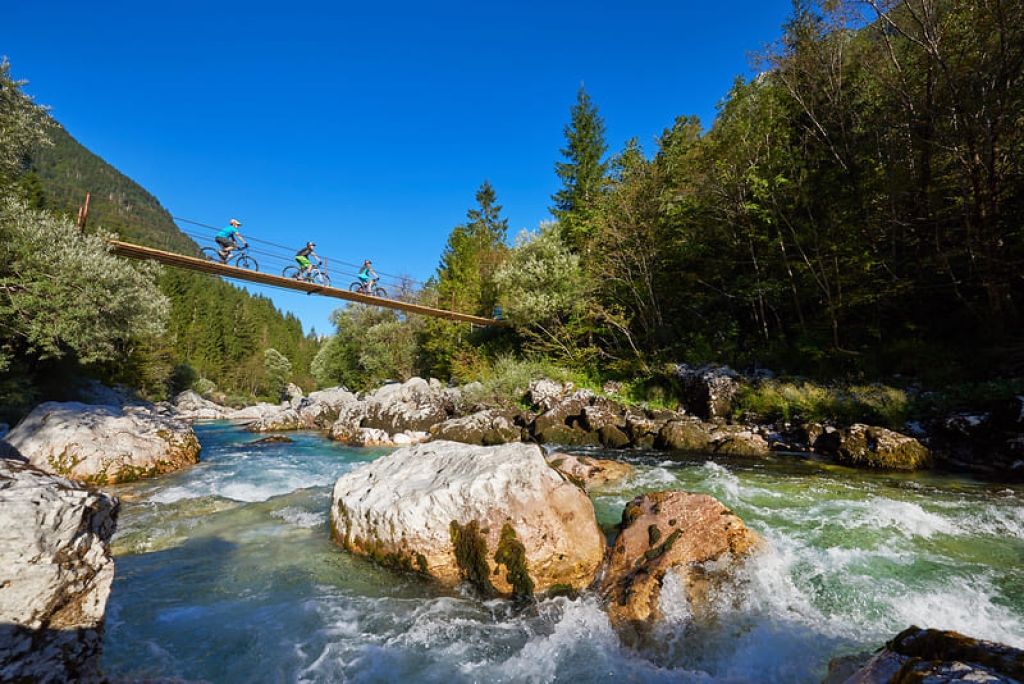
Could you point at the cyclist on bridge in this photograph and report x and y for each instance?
(228, 239)
(366, 274)
(302, 256)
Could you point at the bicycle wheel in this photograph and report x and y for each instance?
(380, 292)
(291, 272)
(321, 278)
(246, 261)
(211, 253)
(355, 287)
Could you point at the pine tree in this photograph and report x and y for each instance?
(583, 174)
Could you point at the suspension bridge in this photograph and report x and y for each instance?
(172, 259)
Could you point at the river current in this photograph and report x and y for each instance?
(226, 573)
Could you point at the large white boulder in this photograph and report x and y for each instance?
(499, 517)
(55, 575)
(103, 444)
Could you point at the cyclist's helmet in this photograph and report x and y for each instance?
(235, 222)
(366, 263)
(311, 244)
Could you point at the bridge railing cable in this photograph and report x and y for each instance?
(272, 256)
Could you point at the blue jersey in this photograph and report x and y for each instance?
(228, 232)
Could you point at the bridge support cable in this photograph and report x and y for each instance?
(131, 251)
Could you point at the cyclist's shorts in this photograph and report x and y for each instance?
(303, 261)
(224, 242)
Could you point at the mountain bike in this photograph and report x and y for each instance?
(317, 274)
(368, 288)
(236, 257)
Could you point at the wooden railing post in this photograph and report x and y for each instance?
(83, 212)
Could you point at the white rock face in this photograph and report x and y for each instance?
(55, 575)
(103, 444)
(190, 404)
(498, 516)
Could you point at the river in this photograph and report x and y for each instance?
(226, 573)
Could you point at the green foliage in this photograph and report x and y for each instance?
(277, 369)
(222, 332)
(540, 280)
(811, 402)
(23, 127)
(464, 282)
(582, 174)
(371, 345)
(61, 292)
(545, 291)
(508, 377)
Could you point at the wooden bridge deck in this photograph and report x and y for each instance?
(131, 251)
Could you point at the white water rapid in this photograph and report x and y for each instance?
(226, 573)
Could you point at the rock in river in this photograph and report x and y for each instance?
(103, 444)
(499, 517)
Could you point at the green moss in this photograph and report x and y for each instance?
(561, 589)
(630, 513)
(512, 554)
(471, 555)
(657, 551)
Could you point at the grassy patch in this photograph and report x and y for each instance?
(804, 401)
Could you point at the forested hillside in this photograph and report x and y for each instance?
(67, 172)
(215, 330)
(855, 212)
(68, 311)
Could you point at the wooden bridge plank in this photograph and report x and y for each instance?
(131, 251)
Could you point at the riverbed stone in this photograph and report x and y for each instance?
(104, 444)
(866, 446)
(707, 391)
(693, 536)
(56, 572)
(684, 434)
(192, 405)
(279, 421)
(498, 517)
(484, 428)
(319, 410)
(589, 472)
(737, 440)
(935, 656)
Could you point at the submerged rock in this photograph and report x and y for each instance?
(499, 517)
(55, 575)
(941, 657)
(103, 444)
(590, 472)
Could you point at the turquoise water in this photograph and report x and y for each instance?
(226, 573)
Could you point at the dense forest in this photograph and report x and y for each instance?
(855, 212)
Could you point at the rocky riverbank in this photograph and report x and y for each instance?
(493, 512)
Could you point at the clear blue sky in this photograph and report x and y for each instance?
(368, 128)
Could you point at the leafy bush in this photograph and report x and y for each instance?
(507, 379)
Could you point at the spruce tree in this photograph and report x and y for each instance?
(583, 174)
